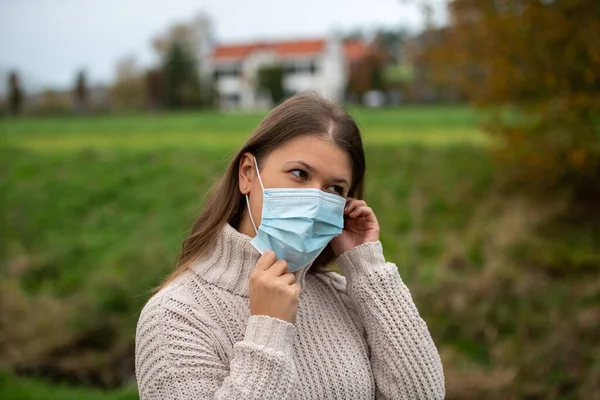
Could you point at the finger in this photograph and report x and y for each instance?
(352, 205)
(361, 211)
(296, 287)
(369, 215)
(288, 278)
(266, 260)
(279, 268)
(355, 212)
(349, 201)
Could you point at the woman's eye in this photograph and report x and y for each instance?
(300, 173)
(337, 189)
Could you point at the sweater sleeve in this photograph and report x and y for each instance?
(404, 358)
(180, 355)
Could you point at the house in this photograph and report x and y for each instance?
(320, 65)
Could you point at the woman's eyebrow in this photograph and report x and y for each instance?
(305, 165)
(339, 180)
(310, 168)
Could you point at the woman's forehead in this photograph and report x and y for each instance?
(319, 152)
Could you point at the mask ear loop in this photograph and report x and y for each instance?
(248, 200)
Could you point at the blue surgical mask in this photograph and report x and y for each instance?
(297, 224)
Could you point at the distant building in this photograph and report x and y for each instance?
(320, 65)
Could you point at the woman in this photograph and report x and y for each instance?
(252, 313)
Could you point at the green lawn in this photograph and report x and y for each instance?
(94, 210)
(430, 126)
(31, 389)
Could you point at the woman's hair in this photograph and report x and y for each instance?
(302, 114)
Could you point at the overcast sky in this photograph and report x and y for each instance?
(49, 40)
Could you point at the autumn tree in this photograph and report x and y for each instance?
(392, 40)
(127, 93)
(154, 88)
(536, 65)
(367, 72)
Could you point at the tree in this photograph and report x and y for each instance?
(80, 92)
(397, 76)
(182, 83)
(15, 94)
(154, 84)
(536, 66)
(187, 45)
(191, 36)
(127, 93)
(367, 72)
(52, 102)
(434, 79)
(392, 40)
(270, 80)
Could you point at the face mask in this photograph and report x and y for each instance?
(297, 224)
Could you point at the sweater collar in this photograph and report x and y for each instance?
(231, 262)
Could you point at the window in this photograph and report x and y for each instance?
(289, 67)
(308, 67)
(231, 99)
(228, 70)
(292, 67)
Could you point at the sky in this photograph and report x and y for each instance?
(48, 41)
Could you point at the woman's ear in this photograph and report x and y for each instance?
(246, 173)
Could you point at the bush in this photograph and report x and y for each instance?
(270, 80)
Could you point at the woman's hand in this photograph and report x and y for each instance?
(360, 226)
(273, 290)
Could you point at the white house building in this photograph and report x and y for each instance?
(320, 65)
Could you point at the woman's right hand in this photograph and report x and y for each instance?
(273, 290)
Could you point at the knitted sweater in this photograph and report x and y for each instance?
(356, 335)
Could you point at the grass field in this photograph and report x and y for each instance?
(429, 126)
(94, 210)
(32, 389)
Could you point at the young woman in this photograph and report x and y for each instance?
(252, 313)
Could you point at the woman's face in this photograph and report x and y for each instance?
(303, 162)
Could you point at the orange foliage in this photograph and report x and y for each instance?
(536, 65)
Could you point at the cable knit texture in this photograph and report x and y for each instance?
(356, 336)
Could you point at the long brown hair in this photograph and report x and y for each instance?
(302, 114)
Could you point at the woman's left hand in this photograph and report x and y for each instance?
(360, 226)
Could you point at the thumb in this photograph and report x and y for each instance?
(265, 261)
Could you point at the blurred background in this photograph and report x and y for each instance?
(481, 126)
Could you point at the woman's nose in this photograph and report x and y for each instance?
(319, 185)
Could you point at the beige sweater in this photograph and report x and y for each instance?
(356, 336)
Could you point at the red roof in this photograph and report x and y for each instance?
(353, 48)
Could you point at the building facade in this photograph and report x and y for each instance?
(320, 65)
